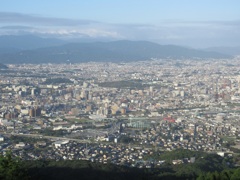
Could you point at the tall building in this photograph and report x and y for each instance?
(89, 108)
(182, 93)
(32, 112)
(151, 89)
(38, 111)
(35, 112)
(123, 110)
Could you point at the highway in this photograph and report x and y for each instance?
(40, 136)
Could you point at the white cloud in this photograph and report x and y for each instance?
(12, 18)
(197, 34)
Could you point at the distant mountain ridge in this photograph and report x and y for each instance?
(114, 51)
(226, 50)
(25, 42)
(3, 66)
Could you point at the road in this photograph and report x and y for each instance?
(40, 136)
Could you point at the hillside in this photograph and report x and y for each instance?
(226, 50)
(206, 166)
(12, 43)
(106, 51)
(3, 66)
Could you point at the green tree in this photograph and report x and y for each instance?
(125, 139)
(11, 168)
(225, 175)
(201, 177)
(236, 175)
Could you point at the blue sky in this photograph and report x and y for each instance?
(202, 23)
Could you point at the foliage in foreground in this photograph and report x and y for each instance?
(206, 167)
(11, 168)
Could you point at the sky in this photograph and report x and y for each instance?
(192, 23)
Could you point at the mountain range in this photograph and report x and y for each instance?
(32, 49)
(3, 66)
(226, 50)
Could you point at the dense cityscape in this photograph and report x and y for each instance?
(120, 90)
(120, 113)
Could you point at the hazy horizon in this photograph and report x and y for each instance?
(186, 23)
